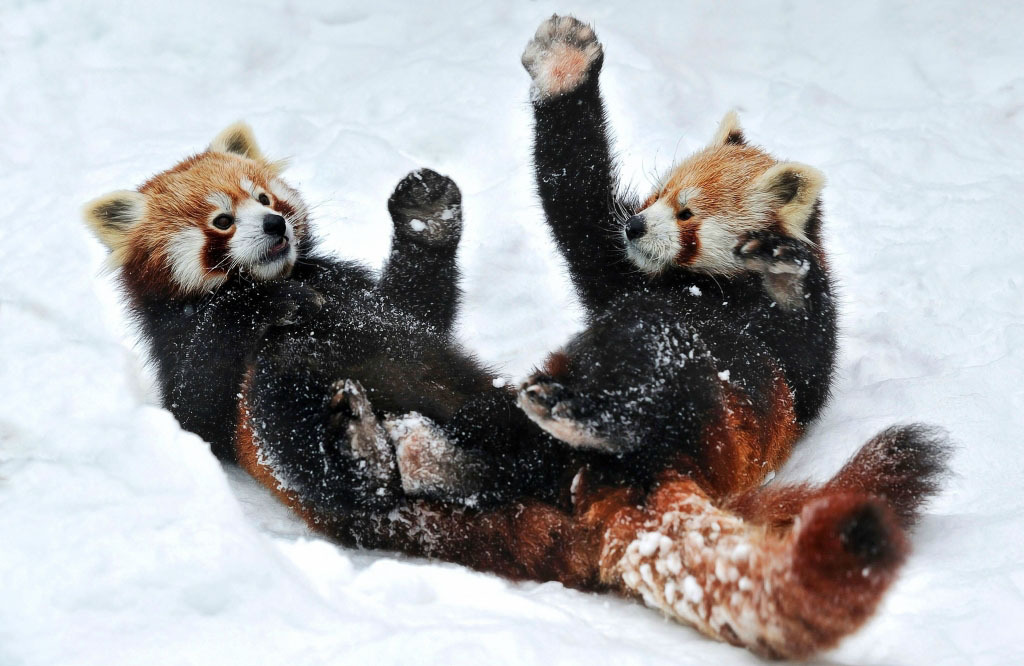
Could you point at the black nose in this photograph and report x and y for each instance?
(274, 225)
(635, 227)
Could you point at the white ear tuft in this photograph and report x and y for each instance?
(794, 189)
(237, 139)
(729, 131)
(277, 167)
(113, 215)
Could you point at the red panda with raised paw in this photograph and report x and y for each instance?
(709, 347)
(711, 321)
(303, 368)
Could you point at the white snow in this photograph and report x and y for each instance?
(692, 590)
(122, 541)
(647, 543)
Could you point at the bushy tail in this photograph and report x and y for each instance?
(780, 593)
(902, 465)
(785, 571)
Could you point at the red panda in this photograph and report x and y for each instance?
(304, 368)
(707, 351)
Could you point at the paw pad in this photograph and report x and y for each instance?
(549, 404)
(561, 56)
(427, 207)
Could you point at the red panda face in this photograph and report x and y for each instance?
(697, 215)
(219, 213)
(216, 214)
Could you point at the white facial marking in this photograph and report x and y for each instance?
(250, 246)
(184, 253)
(686, 194)
(283, 192)
(717, 241)
(221, 202)
(655, 250)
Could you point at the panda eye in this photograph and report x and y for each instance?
(685, 214)
(263, 199)
(223, 221)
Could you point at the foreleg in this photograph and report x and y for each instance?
(421, 276)
(201, 384)
(572, 158)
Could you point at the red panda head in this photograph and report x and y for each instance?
(215, 214)
(697, 214)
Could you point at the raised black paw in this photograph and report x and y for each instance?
(782, 262)
(552, 406)
(288, 303)
(562, 55)
(426, 208)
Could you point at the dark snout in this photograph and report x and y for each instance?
(635, 227)
(273, 225)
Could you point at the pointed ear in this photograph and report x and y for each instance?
(237, 139)
(112, 216)
(729, 131)
(793, 189)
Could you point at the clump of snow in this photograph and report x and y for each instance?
(647, 543)
(122, 541)
(692, 591)
(417, 225)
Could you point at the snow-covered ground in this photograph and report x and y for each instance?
(122, 541)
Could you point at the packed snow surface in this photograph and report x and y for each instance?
(123, 541)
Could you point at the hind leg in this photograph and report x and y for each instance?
(320, 442)
(487, 452)
(622, 388)
(421, 276)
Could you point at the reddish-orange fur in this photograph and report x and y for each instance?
(743, 444)
(557, 364)
(248, 452)
(821, 587)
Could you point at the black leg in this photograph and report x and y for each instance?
(203, 349)
(488, 452)
(574, 170)
(320, 439)
(421, 276)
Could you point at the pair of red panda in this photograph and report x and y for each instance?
(709, 346)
